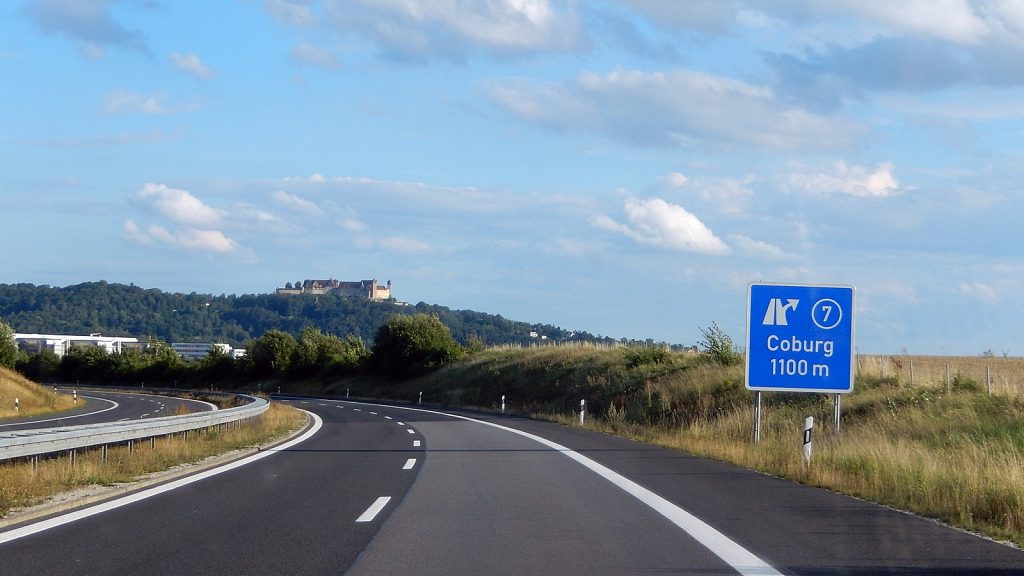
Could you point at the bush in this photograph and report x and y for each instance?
(717, 345)
(406, 346)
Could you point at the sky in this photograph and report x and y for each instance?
(624, 167)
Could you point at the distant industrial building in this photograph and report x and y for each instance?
(198, 350)
(60, 344)
(369, 289)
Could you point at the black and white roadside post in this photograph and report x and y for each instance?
(347, 390)
(17, 404)
(74, 394)
(420, 401)
(799, 339)
(583, 411)
(502, 403)
(808, 427)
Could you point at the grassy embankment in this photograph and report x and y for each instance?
(21, 487)
(954, 453)
(34, 400)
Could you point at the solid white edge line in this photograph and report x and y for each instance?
(409, 464)
(374, 509)
(115, 405)
(736, 556)
(156, 490)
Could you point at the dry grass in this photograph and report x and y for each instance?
(20, 486)
(33, 398)
(1006, 373)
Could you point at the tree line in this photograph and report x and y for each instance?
(128, 310)
(404, 346)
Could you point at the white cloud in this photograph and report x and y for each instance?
(192, 64)
(352, 225)
(951, 20)
(87, 21)
(291, 12)
(122, 101)
(756, 248)
(979, 291)
(676, 180)
(297, 203)
(852, 180)
(678, 108)
(179, 206)
(659, 223)
(393, 243)
(187, 238)
(306, 53)
(418, 29)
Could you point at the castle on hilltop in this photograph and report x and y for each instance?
(364, 288)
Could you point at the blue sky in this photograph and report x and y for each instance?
(624, 167)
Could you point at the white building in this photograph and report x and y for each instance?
(198, 350)
(60, 344)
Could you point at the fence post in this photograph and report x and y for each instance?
(911, 372)
(988, 379)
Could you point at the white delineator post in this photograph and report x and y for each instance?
(420, 401)
(808, 426)
(583, 411)
(75, 395)
(17, 404)
(502, 403)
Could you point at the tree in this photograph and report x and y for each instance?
(406, 346)
(270, 355)
(8, 346)
(717, 345)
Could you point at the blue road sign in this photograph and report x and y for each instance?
(800, 338)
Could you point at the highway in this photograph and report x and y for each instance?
(391, 490)
(104, 406)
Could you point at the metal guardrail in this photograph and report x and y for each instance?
(25, 443)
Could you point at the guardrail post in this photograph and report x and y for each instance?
(131, 447)
(152, 442)
(103, 453)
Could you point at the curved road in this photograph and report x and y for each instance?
(390, 490)
(108, 406)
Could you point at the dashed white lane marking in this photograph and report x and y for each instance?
(374, 509)
(415, 443)
(400, 423)
(409, 464)
(742, 560)
(357, 409)
(410, 431)
(388, 418)
(374, 413)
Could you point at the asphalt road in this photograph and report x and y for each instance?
(386, 490)
(96, 407)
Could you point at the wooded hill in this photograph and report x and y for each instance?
(128, 310)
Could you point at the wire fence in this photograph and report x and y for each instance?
(996, 375)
